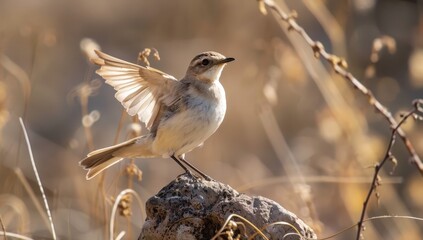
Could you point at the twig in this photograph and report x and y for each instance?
(84, 91)
(368, 220)
(328, 22)
(115, 206)
(120, 235)
(25, 82)
(32, 195)
(339, 65)
(282, 223)
(38, 178)
(378, 166)
(3, 228)
(15, 235)
(230, 217)
(119, 128)
(20, 75)
(283, 152)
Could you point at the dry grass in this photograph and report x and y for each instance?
(296, 131)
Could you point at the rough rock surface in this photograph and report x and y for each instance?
(193, 208)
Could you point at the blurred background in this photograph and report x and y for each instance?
(294, 132)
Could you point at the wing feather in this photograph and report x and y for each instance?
(126, 87)
(154, 112)
(139, 99)
(148, 111)
(133, 95)
(140, 108)
(121, 77)
(141, 90)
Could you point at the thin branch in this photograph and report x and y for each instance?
(3, 228)
(120, 235)
(119, 128)
(15, 235)
(38, 178)
(378, 166)
(339, 65)
(32, 195)
(371, 219)
(114, 209)
(288, 160)
(23, 78)
(281, 223)
(229, 218)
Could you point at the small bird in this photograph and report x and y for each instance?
(180, 115)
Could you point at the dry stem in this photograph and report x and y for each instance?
(339, 65)
(378, 166)
(53, 232)
(3, 228)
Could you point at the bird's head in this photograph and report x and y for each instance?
(208, 66)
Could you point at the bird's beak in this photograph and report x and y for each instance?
(225, 60)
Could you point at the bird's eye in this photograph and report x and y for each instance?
(205, 62)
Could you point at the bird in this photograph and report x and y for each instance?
(179, 114)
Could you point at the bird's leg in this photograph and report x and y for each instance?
(181, 158)
(180, 164)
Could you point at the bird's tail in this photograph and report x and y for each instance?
(100, 159)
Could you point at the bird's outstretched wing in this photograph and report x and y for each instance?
(141, 90)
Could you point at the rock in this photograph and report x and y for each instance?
(194, 208)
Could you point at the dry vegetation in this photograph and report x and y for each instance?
(317, 107)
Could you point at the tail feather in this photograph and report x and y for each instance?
(114, 147)
(93, 160)
(92, 172)
(98, 160)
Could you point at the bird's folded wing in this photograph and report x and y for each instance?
(141, 90)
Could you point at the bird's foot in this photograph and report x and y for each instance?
(201, 175)
(206, 177)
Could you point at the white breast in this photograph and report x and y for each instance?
(188, 129)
